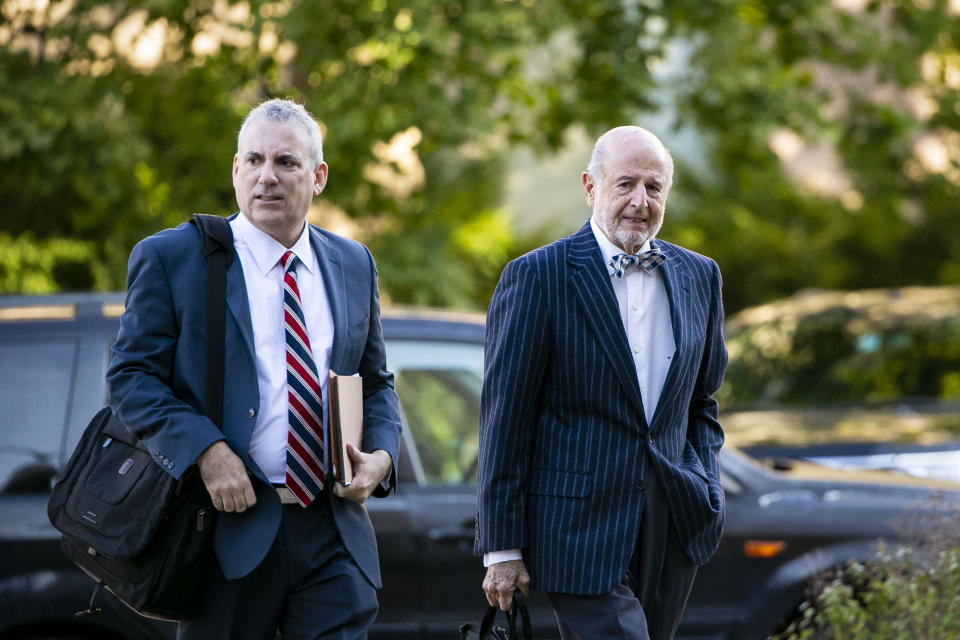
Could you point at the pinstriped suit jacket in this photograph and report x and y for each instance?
(565, 447)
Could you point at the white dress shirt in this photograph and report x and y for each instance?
(260, 256)
(645, 313)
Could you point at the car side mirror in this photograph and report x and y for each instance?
(35, 477)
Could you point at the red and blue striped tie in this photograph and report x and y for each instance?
(305, 437)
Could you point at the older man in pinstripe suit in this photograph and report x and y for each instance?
(599, 439)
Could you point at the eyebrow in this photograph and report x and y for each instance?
(285, 155)
(629, 176)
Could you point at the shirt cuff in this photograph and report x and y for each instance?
(494, 557)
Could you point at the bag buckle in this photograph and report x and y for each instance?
(91, 610)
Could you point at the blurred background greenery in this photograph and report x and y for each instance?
(818, 141)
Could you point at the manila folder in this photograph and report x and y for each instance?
(345, 415)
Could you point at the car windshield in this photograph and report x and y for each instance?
(845, 366)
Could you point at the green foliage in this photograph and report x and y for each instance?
(104, 140)
(870, 87)
(907, 594)
(31, 266)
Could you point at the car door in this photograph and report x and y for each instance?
(51, 383)
(439, 383)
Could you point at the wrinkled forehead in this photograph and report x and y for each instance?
(273, 138)
(637, 151)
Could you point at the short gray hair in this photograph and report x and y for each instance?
(283, 110)
(595, 166)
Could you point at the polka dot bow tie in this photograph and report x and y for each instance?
(648, 260)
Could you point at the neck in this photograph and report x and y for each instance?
(286, 237)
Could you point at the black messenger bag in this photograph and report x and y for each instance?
(126, 522)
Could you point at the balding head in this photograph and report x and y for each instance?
(629, 137)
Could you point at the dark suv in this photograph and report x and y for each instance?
(782, 527)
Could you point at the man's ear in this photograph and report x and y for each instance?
(588, 187)
(319, 178)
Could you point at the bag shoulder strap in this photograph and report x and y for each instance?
(218, 252)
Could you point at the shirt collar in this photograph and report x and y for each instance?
(266, 251)
(607, 248)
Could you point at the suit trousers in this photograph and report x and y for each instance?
(307, 588)
(648, 604)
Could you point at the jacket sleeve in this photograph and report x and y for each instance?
(141, 371)
(704, 433)
(516, 354)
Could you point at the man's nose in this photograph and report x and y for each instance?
(639, 197)
(267, 173)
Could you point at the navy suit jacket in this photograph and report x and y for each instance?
(565, 448)
(156, 378)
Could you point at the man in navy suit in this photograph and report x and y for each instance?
(296, 552)
(599, 479)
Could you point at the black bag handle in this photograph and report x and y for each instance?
(517, 608)
(218, 251)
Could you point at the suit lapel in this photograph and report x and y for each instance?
(677, 284)
(331, 268)
(239, 306)
(594, 293)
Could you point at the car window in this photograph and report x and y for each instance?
(35, 383)
(438, 384)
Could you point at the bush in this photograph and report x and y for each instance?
(904, 593)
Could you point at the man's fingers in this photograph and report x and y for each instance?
(228, 504)
(502, 579)
(491, 598)
(249, 495)
(354, 453)
(489, 588)
(355, 492)
(506, 599)
(226, 479)
(523, 581)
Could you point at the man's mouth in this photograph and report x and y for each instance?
(268, 198)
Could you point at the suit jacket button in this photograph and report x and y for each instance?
(639, 485)
(650, 439)
(251, 413)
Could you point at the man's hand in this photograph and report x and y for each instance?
(226, 478)
(369, 470)
(501, 580)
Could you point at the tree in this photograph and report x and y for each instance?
(832, 129)
(829, 127)
(124, 114)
